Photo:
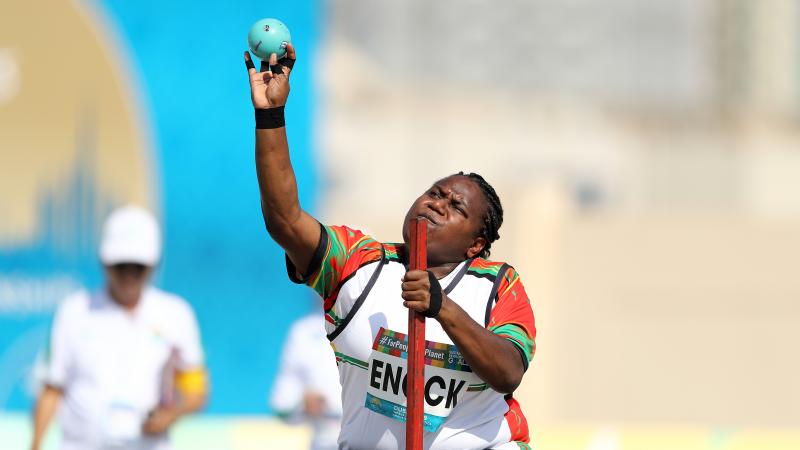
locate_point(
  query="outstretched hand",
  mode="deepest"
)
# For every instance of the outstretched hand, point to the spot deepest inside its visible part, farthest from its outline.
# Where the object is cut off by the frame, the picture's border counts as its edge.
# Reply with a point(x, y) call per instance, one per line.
point(269, 87)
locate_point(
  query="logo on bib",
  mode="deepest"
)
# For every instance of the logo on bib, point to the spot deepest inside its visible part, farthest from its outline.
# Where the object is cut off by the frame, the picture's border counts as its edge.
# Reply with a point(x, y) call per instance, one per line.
point(447, 376)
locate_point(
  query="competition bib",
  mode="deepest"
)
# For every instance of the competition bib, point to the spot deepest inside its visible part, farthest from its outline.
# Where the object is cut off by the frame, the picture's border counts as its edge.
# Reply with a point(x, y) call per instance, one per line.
point(447, 376)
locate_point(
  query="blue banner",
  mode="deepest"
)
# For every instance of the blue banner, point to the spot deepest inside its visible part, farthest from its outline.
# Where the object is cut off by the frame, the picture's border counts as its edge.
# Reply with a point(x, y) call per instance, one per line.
point(149, 103)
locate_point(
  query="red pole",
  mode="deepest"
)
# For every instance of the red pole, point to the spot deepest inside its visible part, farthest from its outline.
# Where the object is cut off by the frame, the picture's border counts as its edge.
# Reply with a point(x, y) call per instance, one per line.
point(418, 260)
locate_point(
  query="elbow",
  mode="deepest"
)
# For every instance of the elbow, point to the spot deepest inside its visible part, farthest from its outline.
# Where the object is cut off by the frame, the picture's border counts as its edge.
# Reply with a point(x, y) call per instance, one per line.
point(202, 402)
point(279, 231)
point(508, 383)
point(195, 402)
point(274, 229)
point(508, 380)
point(279, 226)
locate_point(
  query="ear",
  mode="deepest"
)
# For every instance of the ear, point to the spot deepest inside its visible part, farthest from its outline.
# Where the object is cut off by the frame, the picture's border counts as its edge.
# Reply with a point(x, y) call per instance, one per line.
point(477, 246)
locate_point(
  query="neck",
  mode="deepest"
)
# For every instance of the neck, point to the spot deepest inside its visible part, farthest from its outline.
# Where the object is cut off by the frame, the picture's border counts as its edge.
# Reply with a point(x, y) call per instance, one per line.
point(438, 268)
point(441, 270)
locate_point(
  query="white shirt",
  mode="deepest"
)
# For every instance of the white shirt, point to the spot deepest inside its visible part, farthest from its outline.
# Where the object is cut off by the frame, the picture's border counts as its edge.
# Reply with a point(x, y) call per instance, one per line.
point(115, 365)
point(358, 278)
point(308, 364)
point(373, 354)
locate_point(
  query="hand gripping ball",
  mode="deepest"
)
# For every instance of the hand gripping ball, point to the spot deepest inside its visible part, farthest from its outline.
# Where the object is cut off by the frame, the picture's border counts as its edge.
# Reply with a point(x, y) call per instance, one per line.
point(268, 36)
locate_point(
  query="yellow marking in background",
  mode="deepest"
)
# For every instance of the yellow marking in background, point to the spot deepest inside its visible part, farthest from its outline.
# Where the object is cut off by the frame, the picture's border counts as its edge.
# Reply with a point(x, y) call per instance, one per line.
point(192, 382)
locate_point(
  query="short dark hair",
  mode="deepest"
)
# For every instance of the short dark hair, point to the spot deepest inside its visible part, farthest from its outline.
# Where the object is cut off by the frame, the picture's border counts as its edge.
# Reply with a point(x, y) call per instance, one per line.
point(493, 218)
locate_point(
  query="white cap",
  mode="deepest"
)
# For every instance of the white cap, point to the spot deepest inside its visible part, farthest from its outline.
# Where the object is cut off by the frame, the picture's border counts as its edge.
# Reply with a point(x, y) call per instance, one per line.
point(130, 235)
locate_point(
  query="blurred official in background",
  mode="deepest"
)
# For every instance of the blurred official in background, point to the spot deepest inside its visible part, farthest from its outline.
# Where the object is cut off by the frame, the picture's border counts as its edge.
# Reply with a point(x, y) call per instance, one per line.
point(307, 388)
point(124, 363)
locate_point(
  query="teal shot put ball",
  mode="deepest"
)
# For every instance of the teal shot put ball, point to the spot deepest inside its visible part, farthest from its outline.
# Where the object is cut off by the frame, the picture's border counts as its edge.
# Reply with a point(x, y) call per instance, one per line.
point(268, 36)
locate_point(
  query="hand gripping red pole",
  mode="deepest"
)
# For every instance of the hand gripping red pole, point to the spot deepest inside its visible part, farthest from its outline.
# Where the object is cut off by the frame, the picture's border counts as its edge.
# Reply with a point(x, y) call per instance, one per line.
point(418, 260)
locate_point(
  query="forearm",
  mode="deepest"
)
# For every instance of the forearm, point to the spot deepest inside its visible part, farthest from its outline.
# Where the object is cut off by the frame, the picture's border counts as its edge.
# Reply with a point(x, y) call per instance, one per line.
point(276, 180)
point(161, 419)
point(291, 228)
point(294, 230)
point(45, 409)
point(493, 358)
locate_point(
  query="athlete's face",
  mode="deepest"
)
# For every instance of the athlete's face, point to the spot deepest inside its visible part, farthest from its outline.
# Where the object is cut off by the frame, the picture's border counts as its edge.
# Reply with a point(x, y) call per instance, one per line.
point(454, 208)
point(126, 282)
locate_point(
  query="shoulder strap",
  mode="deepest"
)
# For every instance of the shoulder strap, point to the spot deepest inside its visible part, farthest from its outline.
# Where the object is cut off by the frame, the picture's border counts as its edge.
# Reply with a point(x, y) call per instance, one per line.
point(458, 276)
point(493, 295)
point(361, 298)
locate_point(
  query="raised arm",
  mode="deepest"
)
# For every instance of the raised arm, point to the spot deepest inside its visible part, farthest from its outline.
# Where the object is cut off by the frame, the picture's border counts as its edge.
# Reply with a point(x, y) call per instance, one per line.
point(293, 229)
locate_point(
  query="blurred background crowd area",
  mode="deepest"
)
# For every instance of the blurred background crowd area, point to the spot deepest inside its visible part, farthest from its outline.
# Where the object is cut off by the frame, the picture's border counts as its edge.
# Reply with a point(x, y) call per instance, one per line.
point(647, 154)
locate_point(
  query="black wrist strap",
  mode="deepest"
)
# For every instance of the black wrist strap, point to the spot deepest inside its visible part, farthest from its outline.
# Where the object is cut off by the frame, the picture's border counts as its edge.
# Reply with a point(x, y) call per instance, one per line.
point(269, 118)
point(436, 296)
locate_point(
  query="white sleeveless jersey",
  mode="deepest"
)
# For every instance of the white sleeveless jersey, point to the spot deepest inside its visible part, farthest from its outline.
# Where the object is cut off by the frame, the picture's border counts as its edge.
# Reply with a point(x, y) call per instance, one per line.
point(367, 324)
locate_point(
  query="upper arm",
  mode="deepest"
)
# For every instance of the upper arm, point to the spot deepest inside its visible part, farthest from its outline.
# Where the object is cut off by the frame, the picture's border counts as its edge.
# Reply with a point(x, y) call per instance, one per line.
point(298, 239)
point(187, 339)
point(190, 374)
point(512, 316)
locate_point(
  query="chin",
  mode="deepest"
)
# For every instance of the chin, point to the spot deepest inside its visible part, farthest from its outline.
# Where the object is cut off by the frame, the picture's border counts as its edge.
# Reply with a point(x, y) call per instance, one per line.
point(131, 298)
point(129, 301)
point(405, 232)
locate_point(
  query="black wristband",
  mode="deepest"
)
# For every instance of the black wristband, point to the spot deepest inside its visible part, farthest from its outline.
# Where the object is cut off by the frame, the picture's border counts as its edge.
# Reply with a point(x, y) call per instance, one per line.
point(268, 118)
point(436, 296)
